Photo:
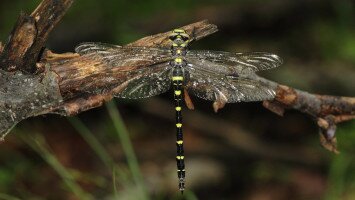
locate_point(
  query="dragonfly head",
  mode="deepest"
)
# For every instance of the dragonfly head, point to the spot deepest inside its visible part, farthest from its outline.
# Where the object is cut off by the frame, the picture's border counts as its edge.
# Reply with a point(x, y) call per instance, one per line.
point(179, 38)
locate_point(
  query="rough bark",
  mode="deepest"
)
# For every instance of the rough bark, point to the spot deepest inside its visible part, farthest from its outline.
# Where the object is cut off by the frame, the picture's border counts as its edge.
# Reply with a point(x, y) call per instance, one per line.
point(34, 83)
point(30, 35)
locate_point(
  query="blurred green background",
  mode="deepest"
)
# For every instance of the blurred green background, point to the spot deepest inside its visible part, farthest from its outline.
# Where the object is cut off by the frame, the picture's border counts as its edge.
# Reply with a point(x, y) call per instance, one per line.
point(242, 152)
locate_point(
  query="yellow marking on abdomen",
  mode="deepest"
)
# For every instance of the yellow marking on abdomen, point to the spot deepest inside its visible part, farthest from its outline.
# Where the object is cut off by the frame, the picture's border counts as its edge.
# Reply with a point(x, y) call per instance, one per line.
point(179, 142)
point(179, 125)
point(178, 60)
point(180, 157)
point(178, 78)
point(178, 108)
point(177, 92)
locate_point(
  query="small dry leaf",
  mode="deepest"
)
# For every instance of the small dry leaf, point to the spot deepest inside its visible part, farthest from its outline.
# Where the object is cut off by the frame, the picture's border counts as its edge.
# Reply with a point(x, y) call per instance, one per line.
point(327, 129)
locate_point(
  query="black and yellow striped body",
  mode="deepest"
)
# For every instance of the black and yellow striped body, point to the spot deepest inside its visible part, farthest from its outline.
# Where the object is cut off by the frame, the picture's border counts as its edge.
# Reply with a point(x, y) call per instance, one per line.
point(180, 40)
point(178, 92)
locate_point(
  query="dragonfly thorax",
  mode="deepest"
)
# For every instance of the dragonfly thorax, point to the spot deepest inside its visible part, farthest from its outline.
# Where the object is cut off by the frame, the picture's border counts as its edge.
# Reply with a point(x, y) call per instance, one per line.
point(180, 39)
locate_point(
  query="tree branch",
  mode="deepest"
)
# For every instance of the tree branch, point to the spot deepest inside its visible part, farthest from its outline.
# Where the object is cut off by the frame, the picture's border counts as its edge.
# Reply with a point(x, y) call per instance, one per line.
point(68, 84)
point(326, 110)
point(30, 35)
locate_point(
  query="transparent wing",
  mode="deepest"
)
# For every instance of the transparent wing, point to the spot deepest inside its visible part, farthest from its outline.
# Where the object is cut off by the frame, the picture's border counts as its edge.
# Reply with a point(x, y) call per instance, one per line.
point(207, 84)
point(89, 47)
point(254, 61)
point(147, 83)
point(116, 56)
point(141, 72)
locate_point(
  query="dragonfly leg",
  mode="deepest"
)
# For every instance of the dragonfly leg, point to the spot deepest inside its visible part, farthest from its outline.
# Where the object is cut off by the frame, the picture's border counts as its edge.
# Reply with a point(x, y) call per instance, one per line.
point(188, 100)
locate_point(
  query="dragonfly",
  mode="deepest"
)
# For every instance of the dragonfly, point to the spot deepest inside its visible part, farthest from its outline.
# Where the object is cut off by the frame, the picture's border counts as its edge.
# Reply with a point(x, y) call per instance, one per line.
point(221, 77)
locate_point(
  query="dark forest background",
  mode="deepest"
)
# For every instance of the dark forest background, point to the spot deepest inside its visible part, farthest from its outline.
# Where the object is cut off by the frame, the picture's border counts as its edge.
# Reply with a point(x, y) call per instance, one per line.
point(243, 152)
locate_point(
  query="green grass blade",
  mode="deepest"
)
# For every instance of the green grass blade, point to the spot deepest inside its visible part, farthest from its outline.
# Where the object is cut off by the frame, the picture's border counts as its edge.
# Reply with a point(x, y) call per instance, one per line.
point(99, 149)
point(190, 195)
point(7, 197)
point(337, 175)
point(92, 141)
point(37, 143)
point(115, 193)
point(122, 133)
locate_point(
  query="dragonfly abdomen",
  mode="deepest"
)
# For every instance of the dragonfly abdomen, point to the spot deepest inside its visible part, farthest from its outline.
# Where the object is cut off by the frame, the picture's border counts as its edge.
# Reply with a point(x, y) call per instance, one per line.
point(177, 80)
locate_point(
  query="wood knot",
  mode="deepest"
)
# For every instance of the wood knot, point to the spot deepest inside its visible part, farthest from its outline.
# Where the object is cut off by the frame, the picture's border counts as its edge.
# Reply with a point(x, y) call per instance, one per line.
point(285, 95)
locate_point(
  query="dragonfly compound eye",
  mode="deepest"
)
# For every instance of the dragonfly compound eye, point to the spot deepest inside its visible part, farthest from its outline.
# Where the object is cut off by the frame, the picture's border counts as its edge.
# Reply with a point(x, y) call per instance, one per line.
point(185, 36)
point(173, 36)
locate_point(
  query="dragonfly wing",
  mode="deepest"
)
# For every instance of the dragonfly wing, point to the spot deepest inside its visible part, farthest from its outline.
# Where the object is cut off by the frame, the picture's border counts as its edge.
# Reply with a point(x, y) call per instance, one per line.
point(147, 83)
point(229, 88)
point(118, 56)
point(138, 72)
point(254, 61)
point(97, 47)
